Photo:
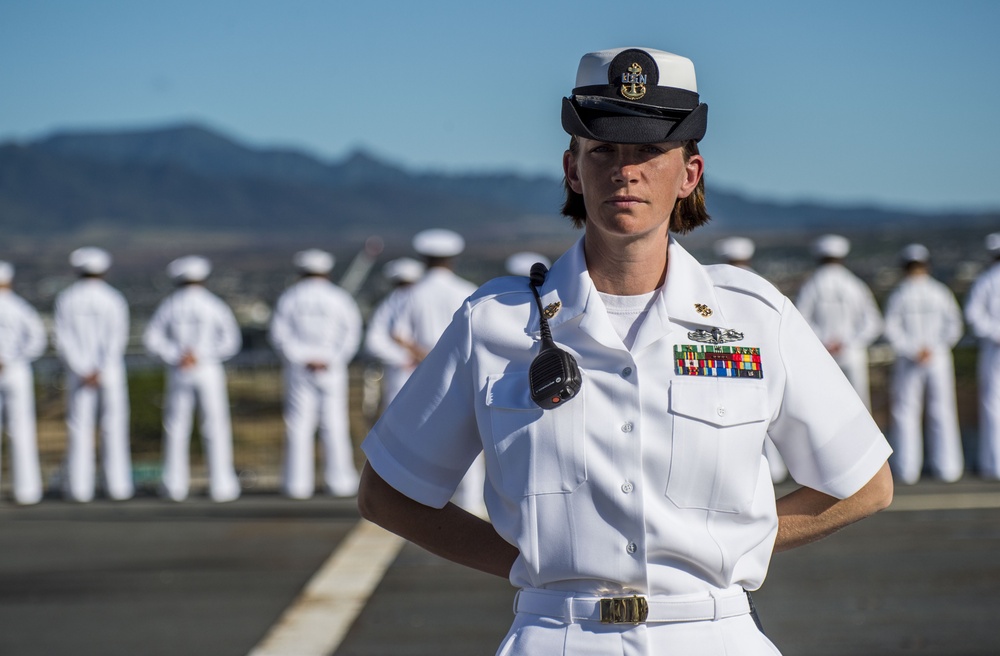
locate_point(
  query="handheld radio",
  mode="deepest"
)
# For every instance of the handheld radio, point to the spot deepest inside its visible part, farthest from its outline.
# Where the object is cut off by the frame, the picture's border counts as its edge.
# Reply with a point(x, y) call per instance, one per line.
point(553, 376)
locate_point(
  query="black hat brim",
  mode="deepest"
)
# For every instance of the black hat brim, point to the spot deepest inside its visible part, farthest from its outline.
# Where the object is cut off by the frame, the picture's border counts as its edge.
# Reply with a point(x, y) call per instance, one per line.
point(614, 127)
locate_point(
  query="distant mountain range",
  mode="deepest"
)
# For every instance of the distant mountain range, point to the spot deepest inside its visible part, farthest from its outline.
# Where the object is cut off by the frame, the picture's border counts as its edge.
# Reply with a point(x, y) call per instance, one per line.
point(190, 178)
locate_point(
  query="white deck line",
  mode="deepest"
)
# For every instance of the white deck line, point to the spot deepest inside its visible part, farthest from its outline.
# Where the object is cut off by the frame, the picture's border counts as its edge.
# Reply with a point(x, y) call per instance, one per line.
point(317, 621)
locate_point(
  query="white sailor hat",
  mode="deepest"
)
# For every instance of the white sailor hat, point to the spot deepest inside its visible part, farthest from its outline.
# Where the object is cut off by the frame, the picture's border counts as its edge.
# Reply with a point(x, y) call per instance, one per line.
point(519, 264)
point(915, 253)
point(6, 272)
point(833, 246)
point(90, 260)
point(438, 242)
point(993, 243)
point(635, 95)
point(313, 261)
point(190, 268)
point(403, 269)
point(735, 249)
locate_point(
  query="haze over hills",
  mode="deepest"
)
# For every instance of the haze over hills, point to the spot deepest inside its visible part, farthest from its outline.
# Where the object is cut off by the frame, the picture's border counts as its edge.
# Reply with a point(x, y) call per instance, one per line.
point(190, 178)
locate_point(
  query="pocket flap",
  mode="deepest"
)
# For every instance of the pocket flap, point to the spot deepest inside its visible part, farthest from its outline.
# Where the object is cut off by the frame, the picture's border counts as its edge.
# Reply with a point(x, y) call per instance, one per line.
point(720, 402)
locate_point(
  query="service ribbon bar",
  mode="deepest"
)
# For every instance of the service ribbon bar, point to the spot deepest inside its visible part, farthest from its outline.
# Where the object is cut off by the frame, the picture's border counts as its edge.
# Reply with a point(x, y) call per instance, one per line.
point(719, 361)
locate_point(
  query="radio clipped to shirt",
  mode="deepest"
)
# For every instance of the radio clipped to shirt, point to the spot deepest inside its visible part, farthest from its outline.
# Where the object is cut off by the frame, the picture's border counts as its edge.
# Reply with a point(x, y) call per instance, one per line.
point(553, 376)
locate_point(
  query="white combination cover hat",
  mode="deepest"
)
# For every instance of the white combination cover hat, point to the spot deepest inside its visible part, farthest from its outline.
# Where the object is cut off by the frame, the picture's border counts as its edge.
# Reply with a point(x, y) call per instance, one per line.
point(403, 269)
point(90, 259)
point(6, 272)
point(313, 261)
point(438, 242)
point(735, 249)
point(993, 243)
point(832, 246)
point(915, 253)
point(190, 268)
point(519, 264)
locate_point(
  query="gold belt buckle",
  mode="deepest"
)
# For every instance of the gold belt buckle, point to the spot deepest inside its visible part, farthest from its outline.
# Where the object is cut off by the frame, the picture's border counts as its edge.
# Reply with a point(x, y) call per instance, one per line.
point(624, 610)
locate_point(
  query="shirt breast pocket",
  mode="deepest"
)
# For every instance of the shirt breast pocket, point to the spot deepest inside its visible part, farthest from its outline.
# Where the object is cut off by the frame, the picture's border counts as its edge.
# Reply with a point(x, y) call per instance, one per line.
point(539, 451)
point(716, 443)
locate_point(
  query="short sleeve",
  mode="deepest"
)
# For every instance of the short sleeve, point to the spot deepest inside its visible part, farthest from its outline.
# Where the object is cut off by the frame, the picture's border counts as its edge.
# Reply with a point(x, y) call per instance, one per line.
point(428, 437)
point(822, 428)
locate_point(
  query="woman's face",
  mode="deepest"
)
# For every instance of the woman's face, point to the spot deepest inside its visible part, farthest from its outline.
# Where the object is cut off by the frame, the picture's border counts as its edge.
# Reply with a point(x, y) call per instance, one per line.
point(630, 189)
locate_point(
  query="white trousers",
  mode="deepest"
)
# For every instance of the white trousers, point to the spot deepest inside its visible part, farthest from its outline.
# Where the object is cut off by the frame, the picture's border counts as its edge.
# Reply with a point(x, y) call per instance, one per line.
point(317, 401)
point(204, 384)
point(989, 410)
point(910, 383)
point(83, 403)
point(17, 408)
point(534, 635)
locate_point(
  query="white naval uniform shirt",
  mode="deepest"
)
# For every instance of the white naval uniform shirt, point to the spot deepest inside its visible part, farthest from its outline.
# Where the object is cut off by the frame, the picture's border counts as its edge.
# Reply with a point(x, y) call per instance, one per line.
point(647, 481)
point(22, 334)
point(196, 320)
point(316, 321)
point(840, 307)
point(982, 310)
point(429, 306)
point(922, 313)
point(91, 319)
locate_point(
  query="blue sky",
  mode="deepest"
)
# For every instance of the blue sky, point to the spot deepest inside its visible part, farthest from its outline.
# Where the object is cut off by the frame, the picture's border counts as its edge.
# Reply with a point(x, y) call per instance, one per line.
point(891, 102)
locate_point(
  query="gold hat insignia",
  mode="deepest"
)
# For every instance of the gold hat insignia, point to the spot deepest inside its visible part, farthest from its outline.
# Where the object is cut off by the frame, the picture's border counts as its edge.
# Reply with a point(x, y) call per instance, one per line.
point(552, 309)
point(633, 82)
point(703, 309)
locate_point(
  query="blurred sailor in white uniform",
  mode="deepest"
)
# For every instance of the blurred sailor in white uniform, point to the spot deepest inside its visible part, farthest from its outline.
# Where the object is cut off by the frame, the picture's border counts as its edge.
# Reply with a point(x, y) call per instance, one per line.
point(982, 311)
point(842, 311)
point(397, 361)
point(22, 340)
point(519, 264)
point(738, 252)
point(923, 323)
point(91, 328)
point(428, 310)
point(316, 329)
point(193, 332)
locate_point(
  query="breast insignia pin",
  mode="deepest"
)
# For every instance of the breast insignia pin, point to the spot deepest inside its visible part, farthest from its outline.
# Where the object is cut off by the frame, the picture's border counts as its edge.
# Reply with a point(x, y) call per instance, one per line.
point(703, 309)
point(715, 336)
point(552, 309)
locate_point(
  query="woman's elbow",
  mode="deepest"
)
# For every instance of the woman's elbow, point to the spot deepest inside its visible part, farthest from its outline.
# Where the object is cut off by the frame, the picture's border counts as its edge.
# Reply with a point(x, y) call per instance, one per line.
point(881, 489)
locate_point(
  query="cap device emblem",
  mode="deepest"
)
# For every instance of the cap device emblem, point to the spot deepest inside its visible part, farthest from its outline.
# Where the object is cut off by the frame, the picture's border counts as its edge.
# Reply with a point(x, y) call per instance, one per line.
point(633, 82)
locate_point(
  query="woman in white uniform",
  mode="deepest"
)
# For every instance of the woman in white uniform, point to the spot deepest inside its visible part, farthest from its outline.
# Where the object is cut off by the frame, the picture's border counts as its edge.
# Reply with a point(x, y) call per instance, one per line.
point(633, 510)
point(317, 330)
point(193, 332)
point(22, 340)
point(91, 325)
point(982, 311)
point(923, 323)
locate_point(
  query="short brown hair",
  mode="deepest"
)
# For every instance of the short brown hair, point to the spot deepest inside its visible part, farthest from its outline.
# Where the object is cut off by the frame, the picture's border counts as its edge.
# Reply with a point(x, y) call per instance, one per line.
point(688, 214)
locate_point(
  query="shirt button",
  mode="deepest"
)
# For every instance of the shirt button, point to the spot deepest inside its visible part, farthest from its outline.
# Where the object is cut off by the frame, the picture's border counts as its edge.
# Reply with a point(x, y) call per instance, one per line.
point(626, 372)
point(627, 427)
point(631, 548)
point(721, 410)
point(627, 488)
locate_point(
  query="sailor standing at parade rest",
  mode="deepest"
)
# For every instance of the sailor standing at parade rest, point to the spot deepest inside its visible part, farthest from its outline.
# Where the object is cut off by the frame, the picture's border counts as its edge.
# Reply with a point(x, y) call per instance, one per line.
point(842, 310)
point(316, 329)
point(923, 323)
point(982, 311)
point(397, 361)
point(22, 340)
point(92, 328)
point(193, 332)
point(633, 507)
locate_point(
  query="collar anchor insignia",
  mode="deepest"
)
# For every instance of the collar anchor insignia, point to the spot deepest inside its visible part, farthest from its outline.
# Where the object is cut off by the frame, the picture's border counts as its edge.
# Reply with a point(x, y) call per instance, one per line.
point(715, 336)
point(703, 309)
point(552, 309)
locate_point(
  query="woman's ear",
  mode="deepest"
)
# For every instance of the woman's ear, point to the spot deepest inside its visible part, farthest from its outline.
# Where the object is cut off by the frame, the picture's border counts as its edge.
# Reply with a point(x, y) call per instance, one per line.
point(693, 170)
point(569, 170)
